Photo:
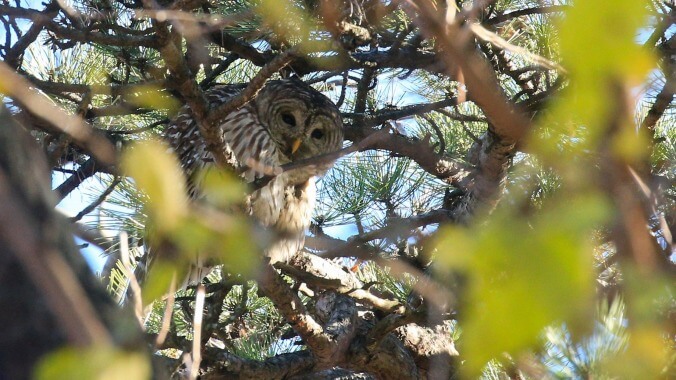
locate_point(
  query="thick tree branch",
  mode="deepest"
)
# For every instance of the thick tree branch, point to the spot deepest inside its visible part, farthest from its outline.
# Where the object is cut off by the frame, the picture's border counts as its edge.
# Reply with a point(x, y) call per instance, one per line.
point(292, 308)
point(430, 346)
point(319, 273)
point(662, 102)
point(86, 170)
point(50, 295)
point(282, 366)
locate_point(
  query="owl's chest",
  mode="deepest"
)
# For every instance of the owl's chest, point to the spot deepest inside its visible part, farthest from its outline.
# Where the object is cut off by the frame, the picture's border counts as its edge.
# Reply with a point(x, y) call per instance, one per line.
point(286, 206)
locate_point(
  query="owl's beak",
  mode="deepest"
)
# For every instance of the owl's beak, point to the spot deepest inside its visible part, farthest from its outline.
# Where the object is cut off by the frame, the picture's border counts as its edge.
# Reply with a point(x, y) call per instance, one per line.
point(295, 145)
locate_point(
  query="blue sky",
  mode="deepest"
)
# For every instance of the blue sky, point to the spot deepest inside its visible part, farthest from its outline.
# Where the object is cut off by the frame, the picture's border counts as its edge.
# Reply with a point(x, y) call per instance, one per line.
point(70, 206)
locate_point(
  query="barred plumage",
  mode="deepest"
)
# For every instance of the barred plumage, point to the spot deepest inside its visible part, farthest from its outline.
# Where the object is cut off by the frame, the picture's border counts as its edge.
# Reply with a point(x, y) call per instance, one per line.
point(287, 121)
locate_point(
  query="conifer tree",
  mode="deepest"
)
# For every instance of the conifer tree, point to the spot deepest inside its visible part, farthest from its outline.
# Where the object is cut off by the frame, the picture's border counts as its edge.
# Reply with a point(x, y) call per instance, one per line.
point(503, 206)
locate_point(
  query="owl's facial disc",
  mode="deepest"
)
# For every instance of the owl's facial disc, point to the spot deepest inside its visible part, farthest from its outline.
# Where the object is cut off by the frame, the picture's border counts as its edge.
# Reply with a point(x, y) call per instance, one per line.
point(317, 138)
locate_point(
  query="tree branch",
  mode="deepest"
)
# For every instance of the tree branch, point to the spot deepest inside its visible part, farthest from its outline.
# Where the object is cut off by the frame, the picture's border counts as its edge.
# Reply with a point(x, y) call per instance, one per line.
point(229, 366)
point(524, 12)
point(86, 170)
point(96, 144)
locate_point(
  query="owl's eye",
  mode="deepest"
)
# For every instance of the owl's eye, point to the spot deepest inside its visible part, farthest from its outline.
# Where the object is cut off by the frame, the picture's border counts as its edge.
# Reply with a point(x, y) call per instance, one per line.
point(317, 134)
point(289, 119)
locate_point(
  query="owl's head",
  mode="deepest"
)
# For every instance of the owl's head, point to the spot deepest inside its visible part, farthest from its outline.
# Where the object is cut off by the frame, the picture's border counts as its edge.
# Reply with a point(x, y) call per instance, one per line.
point(301, 121)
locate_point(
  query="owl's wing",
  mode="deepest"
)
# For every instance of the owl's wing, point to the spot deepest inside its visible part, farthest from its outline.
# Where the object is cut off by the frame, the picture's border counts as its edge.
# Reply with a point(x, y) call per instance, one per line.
point(249, 149)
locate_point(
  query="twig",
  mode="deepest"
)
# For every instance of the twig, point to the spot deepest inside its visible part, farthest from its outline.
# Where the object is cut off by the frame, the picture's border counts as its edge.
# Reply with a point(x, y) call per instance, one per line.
point(501, 43)
point(343, 90)
point(129, 273)
point(197, 333)
point(461, 117)
point(312, 162)
point(111, 89)
point(445, 168)
point(207, 23)
point(258, 81)
point(440, 135)
point(222, 66)
point(13, 54)
point(395, 228)
point(333, 156)
point(523, 12)
point(96, 202)
point(148, 127)
point(385, 115)
point(96, 144)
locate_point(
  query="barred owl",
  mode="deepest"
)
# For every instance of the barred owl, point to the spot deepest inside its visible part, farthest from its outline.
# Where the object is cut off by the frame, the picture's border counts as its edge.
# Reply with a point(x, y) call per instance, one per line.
point(287, 121)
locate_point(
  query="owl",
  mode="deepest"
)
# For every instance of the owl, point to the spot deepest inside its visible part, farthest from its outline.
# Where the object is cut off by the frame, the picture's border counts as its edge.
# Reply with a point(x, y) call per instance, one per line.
point(287, 121)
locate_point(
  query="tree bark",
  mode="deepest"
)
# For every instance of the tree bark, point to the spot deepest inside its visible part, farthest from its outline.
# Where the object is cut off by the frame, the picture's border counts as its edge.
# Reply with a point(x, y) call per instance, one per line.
point(48, 295)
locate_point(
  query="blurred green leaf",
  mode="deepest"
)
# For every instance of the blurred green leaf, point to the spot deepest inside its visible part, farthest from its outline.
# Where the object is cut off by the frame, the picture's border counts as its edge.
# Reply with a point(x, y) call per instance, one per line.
point(95, 363)
point(292, 23)
point(226, 238)
point(523, 274)
point(646, 357)
point(159, 279)
point(598, 40)
point(599, 50)
point(221, 188)
point(153, 96)
point(158, 174)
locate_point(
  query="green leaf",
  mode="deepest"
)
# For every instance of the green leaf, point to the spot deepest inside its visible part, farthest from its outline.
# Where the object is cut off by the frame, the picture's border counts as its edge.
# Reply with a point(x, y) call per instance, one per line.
point(603, 59)
point(153, 96)
point(159, 279)
point(221, 188)
point(158, 174)
point(523, 275)
point(227, 238)
point(95, 363)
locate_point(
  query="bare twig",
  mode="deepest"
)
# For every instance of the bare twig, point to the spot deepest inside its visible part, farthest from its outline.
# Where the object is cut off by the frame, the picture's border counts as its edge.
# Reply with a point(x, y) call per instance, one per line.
point(197, 333)
point(258, 81)
point(501, 43)
point(90, 207)
point(385, 115)
point(133, 281)
point(524, 12)
point(148, 127)
point(13, 54)
point(440, 135)
point(18, 88)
